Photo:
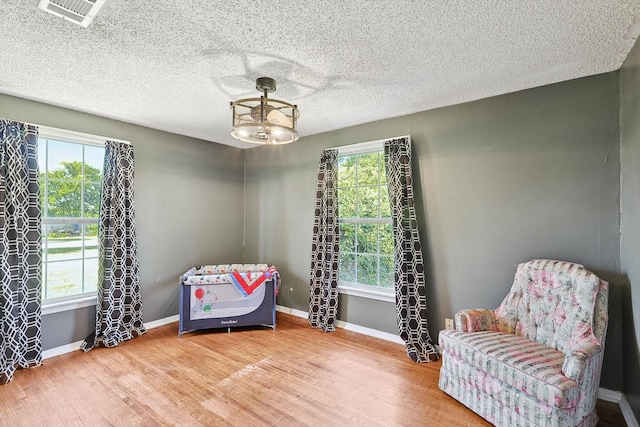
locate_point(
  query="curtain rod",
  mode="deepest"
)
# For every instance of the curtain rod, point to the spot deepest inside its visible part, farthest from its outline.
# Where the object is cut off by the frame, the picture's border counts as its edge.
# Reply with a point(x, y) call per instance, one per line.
point(356, 145)
point(62, 133)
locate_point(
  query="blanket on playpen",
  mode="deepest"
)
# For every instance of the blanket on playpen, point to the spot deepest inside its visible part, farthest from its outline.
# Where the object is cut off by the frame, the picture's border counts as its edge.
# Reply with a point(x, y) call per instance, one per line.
point(227, 290)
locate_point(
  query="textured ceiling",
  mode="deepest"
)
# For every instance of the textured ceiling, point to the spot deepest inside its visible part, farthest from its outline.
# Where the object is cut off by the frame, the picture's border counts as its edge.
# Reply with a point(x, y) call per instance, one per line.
point(176, 65)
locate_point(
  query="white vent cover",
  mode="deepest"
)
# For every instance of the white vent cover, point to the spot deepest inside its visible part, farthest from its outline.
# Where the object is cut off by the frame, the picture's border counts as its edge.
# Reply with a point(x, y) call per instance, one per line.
point(81, 12)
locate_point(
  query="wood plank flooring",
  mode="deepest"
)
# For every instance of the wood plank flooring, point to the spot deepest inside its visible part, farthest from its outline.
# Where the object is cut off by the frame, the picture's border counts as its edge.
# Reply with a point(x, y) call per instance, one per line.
point(293, 376)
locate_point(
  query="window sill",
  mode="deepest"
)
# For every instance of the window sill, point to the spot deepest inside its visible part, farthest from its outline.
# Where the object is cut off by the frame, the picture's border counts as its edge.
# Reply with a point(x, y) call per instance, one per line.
point(387, 295)
point(71, 303)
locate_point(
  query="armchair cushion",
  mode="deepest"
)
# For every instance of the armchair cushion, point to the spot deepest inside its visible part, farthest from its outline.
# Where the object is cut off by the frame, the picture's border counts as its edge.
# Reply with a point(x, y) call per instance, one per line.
point(525, 365)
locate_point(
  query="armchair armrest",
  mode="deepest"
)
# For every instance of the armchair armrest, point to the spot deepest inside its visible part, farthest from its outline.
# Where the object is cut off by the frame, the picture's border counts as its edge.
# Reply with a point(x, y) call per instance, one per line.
point(475, 320)
point(576, 360)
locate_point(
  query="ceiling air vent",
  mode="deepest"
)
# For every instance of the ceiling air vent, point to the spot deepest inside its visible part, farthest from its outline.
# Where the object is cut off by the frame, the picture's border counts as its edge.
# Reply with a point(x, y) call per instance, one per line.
point(79, 11)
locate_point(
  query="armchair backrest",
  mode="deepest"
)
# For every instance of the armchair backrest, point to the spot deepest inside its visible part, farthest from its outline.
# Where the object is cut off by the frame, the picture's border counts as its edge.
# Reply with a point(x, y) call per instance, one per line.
point(558, 304)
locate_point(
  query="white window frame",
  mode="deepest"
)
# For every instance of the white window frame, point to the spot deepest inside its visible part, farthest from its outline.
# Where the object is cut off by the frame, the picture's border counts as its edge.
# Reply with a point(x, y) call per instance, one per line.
point(72, 302)
point(357, 289)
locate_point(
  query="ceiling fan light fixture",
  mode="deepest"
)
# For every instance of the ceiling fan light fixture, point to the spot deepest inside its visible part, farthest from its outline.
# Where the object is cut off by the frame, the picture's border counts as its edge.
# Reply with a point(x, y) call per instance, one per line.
point(264, 120)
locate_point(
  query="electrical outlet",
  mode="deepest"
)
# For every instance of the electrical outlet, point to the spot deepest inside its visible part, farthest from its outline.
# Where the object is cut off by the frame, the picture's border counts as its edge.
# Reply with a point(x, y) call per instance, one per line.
point(448, 323)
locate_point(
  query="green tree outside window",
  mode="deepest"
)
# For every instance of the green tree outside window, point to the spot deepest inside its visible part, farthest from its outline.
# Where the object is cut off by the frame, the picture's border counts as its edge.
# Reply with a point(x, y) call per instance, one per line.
point(70, 185)
point(366, 235)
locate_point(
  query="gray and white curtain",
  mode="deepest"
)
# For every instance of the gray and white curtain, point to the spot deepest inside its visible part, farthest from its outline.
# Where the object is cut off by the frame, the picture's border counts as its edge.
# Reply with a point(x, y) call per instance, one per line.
point(20, 243)
point(411, 300)
point(119, 307)
point(323, 298)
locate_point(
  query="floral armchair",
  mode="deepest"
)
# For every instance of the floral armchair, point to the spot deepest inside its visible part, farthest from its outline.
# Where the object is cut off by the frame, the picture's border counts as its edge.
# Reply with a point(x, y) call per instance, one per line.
point(536, 359)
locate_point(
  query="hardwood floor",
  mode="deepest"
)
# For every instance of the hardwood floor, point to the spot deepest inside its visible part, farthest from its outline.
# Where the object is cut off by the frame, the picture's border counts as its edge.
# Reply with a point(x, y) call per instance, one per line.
point(292, 376)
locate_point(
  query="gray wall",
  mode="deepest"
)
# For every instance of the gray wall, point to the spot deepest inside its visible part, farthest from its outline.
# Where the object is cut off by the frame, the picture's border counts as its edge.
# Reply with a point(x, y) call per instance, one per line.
point(189, 208)
point(630, 224)
point(498, 181)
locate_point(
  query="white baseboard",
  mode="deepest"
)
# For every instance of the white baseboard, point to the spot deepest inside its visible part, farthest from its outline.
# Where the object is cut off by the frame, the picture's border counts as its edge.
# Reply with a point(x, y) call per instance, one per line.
point(346, 325)
point(63, 349)
point(74, 346)
point(292, 311)
point(623, 403)
point(627, 413)
point(370, 332)
point(609, 395)
point(161, 322)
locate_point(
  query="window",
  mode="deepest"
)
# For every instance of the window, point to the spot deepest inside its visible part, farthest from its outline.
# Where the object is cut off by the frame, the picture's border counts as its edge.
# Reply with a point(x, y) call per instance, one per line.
point(70, 181)
point(366, 231)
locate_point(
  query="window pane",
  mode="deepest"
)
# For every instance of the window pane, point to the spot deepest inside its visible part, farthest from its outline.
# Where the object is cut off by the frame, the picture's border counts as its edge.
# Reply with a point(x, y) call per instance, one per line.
point(368, 169)
point(42, 155)
point(44, 280)
point(45, 252)
point(385, 207)
point(71, 180)
point(90, 240)
point(383, 170)
point(348, 237)
point(64, 198)
point(347, 171)
point(60, 152)
point(386, 272)
point(90, 274)
point(363, 194)
point(63, 246)
point(91, 230)
point(92, 174)
point(368, 202)
point(367, 238)
point(347, 267)
point(42, 184)
point(385, 239)
point(64, 278)
point(92, 199)
point(368, 270)
point(347, 202)
point(64, 238)
point(93, 159)
point(43, 230)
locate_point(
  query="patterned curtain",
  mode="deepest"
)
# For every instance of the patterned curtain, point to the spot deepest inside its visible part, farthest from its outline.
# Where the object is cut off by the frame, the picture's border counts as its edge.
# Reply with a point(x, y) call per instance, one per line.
point(411, 300)
point(323, 298)
point(119, 307)
point(20, 246)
